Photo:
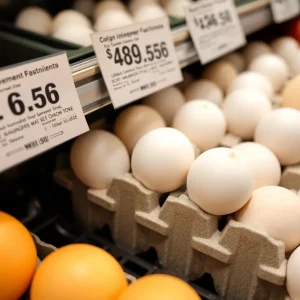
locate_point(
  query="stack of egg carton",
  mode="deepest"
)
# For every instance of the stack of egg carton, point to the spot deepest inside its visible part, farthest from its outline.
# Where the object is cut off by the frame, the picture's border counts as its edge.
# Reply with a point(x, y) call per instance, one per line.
point(245, 263)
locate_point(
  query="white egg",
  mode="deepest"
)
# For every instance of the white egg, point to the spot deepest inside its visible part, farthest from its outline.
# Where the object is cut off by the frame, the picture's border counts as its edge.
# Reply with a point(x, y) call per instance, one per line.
point(279, 131)
point(74, 33)
point(204, 89)
point(243, 109)
point(97, 157)
point(175, 8)
point(167, 102)
point(294, 63)
point(293, 275)
point(221, 73)
point(86, 7)
point(275, 210)
point(285, 47)
point(187, 80)
point(148, 12)
point(34, 19)
point(134, 122)
point(69, 16)
point(113, 19)
point(202, 122)
point(161, 159)
point(254, 50)
point(135, 5)
point(219, 181)
point(252, 80)
point(273, 67)
point(108, 5)
point(237, 60)
point(263, 162)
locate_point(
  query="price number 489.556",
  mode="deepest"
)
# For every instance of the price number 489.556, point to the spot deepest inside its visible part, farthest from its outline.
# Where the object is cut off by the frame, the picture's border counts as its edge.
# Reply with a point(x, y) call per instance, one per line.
point(130, 55)
point(40, 96)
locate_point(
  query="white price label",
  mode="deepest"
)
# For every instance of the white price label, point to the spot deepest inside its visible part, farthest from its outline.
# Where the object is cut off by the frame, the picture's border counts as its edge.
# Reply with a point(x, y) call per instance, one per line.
point(137, 60)
point(284, 10)
point(215, 28)
point(39, 109)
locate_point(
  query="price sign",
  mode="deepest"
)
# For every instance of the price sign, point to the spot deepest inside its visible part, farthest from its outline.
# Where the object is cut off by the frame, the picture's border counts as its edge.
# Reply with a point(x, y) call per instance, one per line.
point(215, 28)
point(39, 109)
point(284, 10)
point(137, 60)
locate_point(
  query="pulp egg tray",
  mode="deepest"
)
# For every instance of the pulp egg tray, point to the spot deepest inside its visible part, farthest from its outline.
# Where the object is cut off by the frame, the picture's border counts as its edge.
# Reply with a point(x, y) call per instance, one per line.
point(245, 263)
point(60, 230)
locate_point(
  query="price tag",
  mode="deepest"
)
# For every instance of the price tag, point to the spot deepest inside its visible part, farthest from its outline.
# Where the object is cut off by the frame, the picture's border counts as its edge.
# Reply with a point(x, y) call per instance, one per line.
point(284, 10)
point(215, 28)
point(39, 109)
point(137, 60)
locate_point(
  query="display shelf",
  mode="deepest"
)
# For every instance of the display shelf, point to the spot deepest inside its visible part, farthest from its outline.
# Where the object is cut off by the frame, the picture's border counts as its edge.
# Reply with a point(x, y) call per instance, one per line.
point(90, 85)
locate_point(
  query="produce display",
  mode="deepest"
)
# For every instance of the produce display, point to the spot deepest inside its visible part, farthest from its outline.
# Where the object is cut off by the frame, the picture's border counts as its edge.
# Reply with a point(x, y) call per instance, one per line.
point(239, 95)
point(205, 173)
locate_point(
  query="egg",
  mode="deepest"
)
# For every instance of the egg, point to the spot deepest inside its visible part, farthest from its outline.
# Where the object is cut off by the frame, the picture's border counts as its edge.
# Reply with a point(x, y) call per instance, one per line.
point(273, 67)
point(204, 89)
point(113, 19)
point(279, 131)
point(134, 122)
point(34, 19)
point(243, 109)
point(17, 258)
point(86, 7)
point(219, 181)
point(285, 47)
point(75, 33)
point(161, 159)
point(187, 80)
point(159, 287)
point(294, 63)
point(237, 60)
point(135, 5)
point(103, 7)
point(78, 272)
point(148, 12)
point(70, 16)
point(293, 275)
point(221, 73)
point(255, 49)
point(175, 8)
point(202, 122)
point(291, 94)
point(275, 210)
point(263, 162)
point(167, 102)
point(252, 80)
point(97, 157)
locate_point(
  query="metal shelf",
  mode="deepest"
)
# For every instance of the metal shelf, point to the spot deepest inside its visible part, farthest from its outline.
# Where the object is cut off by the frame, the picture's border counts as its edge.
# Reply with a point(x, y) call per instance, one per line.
point(90, 84)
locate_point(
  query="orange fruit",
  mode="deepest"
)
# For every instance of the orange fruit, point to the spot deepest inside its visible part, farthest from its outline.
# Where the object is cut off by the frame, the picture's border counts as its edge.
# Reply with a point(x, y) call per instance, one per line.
point(159, 287)
point(17, 258)
point(78, 272)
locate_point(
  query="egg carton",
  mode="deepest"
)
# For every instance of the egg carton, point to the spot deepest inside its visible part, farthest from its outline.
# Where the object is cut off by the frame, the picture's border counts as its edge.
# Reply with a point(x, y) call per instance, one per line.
point(244, 263)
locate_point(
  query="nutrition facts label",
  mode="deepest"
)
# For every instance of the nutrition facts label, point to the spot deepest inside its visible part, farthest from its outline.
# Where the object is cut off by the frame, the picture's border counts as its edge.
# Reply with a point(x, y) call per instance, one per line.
point(39, 109)
point(137, 60)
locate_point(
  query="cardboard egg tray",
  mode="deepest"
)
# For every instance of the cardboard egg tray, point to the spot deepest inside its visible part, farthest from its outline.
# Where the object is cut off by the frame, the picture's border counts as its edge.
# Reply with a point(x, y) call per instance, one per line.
point(244, 263)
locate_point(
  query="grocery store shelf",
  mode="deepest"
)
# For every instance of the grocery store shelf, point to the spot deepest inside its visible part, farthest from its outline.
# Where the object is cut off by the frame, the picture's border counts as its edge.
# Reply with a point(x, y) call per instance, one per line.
point(90, 84)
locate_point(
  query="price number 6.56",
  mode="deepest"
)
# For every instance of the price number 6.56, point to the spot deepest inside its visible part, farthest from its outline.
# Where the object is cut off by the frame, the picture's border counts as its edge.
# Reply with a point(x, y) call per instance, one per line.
point(40, 96)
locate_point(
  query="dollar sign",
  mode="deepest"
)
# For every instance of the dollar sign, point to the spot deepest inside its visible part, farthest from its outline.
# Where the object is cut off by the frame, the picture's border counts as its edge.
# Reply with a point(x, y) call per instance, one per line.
point(108, 52)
